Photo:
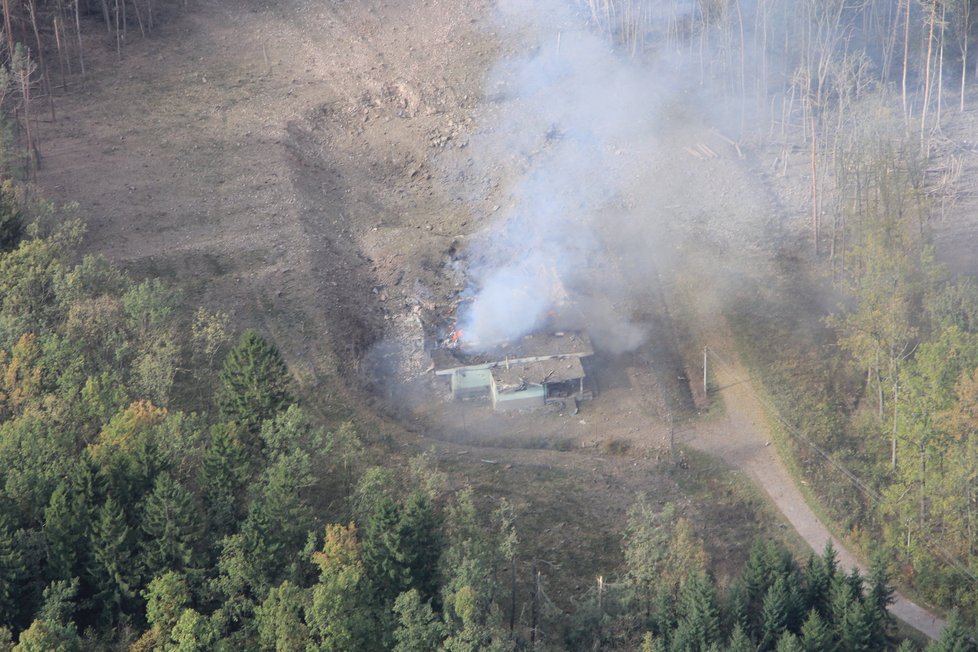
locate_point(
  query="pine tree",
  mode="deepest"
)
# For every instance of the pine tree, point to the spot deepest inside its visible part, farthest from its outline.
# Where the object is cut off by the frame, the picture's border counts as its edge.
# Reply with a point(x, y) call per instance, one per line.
point(842, 600)
point(775, 613)
point(756, 585)
point(857, 629)
point(645, 544)
point(83, 492)
point(955, 637)
point(382, 559)
point(279, 517)
point(12, 573)
point(700, 614)
point(682, 639)
point(739, 641)
point(817, 585)
point(879, 598)
point(830, 560)
point(855, 581)
point(11, 218)
point(223, 474)
point(789, 642)
point(421, 545)
point(113, 568)
point(815, 634)
point(127, 453)
point(171, 526)
point(64, 533)
point(254, 383)
point(737, 606)
point(665, 611)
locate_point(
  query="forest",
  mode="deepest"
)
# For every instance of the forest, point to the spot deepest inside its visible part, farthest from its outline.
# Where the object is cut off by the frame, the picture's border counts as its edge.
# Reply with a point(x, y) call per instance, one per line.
point(166, 482)
point(164, 489)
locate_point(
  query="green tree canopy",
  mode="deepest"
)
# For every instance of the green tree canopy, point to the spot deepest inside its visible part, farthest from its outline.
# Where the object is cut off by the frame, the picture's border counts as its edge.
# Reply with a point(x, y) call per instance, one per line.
point(254, 382)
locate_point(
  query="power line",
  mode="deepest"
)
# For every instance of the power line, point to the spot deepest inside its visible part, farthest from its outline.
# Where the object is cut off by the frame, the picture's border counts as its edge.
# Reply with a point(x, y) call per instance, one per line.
point(938, 550)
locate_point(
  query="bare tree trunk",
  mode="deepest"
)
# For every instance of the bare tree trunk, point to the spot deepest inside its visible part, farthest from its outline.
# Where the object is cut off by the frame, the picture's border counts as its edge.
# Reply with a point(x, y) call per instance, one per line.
point(105, 15)
point(534, 607)
point(24, 74)
point(931, 23)
point(966, 28)
point(743, 73)
point(512, 595)
point(32, 10)
point(890, 43)
point(118, 33)
point(139, 18)
point(814, 182)
point(81, 56)
point(923, 484)
point(61, 54)
point(906, 54)
point(893, 439)
point(8, 28)
point(879, 383)
point(940, 67)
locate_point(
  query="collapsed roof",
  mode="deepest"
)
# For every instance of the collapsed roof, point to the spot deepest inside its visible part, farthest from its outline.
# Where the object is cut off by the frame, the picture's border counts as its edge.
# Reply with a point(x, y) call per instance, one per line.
point(537, 347)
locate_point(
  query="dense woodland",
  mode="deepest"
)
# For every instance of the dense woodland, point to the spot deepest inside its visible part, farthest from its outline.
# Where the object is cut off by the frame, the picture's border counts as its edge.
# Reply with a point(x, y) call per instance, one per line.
point(162, 488)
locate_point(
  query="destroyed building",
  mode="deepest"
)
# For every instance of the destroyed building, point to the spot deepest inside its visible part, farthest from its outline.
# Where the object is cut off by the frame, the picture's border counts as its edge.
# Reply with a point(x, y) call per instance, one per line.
point(523, 374)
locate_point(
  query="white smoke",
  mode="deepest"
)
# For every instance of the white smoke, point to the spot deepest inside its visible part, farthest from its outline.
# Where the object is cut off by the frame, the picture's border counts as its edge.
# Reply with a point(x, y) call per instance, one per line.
point(572, 120)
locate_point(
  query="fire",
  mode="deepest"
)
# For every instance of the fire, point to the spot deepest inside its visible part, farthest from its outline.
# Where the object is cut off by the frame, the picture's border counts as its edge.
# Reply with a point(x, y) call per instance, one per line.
point(455, 336)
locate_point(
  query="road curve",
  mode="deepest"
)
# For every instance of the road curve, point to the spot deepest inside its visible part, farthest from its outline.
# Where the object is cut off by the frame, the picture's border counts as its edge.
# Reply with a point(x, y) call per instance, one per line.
point(743, 438)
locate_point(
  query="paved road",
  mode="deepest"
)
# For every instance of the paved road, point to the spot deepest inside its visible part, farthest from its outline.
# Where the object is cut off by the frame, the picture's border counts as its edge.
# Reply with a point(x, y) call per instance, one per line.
point(743, 438)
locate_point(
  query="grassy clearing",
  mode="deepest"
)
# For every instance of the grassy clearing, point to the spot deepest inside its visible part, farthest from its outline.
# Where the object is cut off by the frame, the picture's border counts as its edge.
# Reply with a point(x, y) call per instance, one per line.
point(731, 513)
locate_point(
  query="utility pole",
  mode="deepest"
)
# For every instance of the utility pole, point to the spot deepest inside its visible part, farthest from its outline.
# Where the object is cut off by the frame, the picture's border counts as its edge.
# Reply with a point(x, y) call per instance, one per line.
point(705, 351)
point(672, 439)
point(534, 606)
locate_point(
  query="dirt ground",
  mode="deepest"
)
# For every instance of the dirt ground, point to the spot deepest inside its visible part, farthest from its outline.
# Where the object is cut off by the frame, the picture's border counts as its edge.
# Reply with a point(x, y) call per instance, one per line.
point(305, 166)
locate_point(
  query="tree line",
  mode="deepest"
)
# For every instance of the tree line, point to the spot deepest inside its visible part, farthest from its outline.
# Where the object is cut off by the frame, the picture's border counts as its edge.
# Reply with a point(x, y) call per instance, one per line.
point(813, 54)
point(886, 386)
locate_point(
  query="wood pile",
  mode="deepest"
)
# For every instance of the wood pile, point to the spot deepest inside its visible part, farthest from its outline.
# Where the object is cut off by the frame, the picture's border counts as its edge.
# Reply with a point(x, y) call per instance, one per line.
point(701, 152)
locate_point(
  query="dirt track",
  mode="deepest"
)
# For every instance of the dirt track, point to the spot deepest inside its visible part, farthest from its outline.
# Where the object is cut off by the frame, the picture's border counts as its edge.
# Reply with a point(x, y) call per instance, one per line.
point(730, 232)
point(743, 439)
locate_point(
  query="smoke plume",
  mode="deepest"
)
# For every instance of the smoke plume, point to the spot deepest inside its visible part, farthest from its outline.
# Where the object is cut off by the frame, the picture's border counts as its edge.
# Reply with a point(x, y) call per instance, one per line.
point(572, 119)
